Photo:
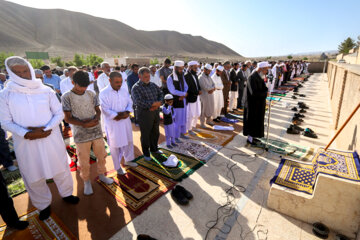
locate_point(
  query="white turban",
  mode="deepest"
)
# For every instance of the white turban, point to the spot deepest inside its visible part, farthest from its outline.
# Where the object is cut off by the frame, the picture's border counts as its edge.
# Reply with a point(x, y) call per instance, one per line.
point(262, 65)
point(220, 68)
point(168, 97)
point(179, 63)
point(192, 63)
point(208, 66)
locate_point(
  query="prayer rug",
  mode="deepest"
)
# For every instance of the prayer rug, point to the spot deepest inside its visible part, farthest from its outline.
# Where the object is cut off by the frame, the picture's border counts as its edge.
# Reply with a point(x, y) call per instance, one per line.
point(198, 150)
point(229, 120)
point(298, 79)
point(235, 115)
point(287, 149)
point(278, 91)
point(278, 94)
point(276, 99)
point(14, 182)
point(211, 137)
point(51, 228)
point(138, 188)
point(288, 88)
point(72, 153)
point(185, 167)
point(302, 176)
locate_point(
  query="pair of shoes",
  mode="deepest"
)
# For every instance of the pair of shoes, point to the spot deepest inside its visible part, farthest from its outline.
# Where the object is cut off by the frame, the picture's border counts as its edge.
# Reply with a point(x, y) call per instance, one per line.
point(45, 213)
point(310, 134)
point(19, 225)
point(303, 105)
point(302, 95)
point(12, 168)
point(302, 111)
point(298, 115)
point(292, 130)
point(297, 119)
point(145, 237)
point(294, 97)
point(71, 199)
point(297, 127)
point(181, 196)
point(131, 164)
point(294, 109)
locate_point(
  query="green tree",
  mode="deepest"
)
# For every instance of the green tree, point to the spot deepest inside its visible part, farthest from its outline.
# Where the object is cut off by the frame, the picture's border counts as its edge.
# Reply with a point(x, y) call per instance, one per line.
point(57, 61)
point(92, 59)
point(268, 57)
point(358, 41)
point(289, 57)
point(69, 63)
point(3, 56)
point(346, 45)
point(305, 58)
point(36, 63)
point(154, 61)
point(79, 60)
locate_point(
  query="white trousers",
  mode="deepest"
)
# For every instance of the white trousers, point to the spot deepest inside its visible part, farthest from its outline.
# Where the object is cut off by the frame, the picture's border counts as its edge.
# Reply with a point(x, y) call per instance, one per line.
point(193, 114)
point(39, 191)
point(117, 154)
point(233, 100)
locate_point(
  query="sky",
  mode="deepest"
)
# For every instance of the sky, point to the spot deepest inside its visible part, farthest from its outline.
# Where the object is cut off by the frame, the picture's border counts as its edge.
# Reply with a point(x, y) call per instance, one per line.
point(252, 28)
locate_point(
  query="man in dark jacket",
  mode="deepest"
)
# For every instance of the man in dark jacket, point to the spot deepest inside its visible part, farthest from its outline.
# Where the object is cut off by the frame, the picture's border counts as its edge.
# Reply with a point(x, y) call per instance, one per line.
point(193, 99)
point(242, 83)
point(234, 78)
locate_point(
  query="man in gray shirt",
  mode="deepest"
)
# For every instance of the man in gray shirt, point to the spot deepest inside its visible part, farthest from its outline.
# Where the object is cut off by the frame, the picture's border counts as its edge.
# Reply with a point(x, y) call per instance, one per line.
point(165, 71)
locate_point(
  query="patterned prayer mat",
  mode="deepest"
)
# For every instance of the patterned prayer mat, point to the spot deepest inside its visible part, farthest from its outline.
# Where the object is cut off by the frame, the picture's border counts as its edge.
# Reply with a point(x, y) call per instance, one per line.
point(198, 150)
point(298, 79)
point(287, 149)
point(138, 188)
point(74, 159)
point(302, 176)
point(14, 182)
point(288, 88)
point(276, 99)
point(185, 167)
point(212, 137)
point(51, 228)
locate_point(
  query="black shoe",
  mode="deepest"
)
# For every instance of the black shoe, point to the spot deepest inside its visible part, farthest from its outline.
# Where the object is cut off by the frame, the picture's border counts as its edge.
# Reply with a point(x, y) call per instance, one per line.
point(179, 197)
point(310, 134)
point(302, 95)
point(296, 122)
point(298, 115)
point(145, 237)
point(45, 214)
point(294, 109)
point(297, 127)
point(293, 97)
point(296, 94)
point(292, 130)
point(185, 192)
point(302, 111)
point(20, 225)
point(71, 199)
point(297, 119)
point(309, 130)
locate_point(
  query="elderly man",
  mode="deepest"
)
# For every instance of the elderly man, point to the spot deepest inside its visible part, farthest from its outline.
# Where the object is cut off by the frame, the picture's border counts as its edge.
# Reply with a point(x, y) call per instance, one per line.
point(193, 97)
point(207, 97)
point(31, 111)
point(103, 79)
point(255, 104)
point(116, 105)
point(148, 98)
point(218, 93)
point(65, 75)
point(50, 78)
point(154, 77)
point(66, 84)
point(225, 77)
point(165, 72)
point(178, 87)
point(242, 83)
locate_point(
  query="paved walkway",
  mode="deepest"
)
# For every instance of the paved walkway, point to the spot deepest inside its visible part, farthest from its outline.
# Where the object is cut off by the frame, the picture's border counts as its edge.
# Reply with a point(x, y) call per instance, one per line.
point(238, 178)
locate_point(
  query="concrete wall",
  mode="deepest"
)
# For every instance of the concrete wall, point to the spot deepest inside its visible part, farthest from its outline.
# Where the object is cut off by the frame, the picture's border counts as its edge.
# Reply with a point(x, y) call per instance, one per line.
point(344, 89)
point(316, 67)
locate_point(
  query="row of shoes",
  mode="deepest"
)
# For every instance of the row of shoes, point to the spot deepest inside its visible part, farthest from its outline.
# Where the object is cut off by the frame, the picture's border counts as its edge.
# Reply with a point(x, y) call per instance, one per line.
point(181, 196)
point(298, 120)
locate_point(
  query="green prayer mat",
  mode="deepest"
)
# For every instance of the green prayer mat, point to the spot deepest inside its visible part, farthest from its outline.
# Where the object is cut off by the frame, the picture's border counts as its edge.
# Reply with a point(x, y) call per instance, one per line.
point(14, 182)
point(186, 166)
point(287, 149)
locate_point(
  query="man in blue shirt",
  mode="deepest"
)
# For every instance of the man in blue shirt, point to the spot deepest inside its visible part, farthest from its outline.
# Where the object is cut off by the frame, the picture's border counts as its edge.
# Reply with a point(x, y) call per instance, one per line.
point(50, 78)
point(133, 77)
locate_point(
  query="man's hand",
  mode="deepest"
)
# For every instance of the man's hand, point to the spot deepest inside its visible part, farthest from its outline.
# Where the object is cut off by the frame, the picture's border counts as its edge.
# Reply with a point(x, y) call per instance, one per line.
point(181, 98)
point(37, 133)
point(200, 92)
point(122, 115)
point(90, 123)
point(211, 91)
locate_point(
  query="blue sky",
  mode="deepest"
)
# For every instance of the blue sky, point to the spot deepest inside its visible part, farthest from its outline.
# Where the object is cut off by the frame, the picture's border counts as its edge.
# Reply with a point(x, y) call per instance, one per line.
point(252, 28)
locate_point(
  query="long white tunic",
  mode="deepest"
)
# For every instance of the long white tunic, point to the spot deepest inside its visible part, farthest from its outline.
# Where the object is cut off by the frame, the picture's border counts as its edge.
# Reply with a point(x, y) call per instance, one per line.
point(41, 158)
point(102, 81)
point(119, 133)
point(218, 95)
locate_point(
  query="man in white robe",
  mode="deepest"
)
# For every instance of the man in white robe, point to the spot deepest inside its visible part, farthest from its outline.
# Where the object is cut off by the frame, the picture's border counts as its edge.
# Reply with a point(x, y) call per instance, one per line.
point(207, 97)
point(66, 84)
point(103, 79)
point(32, 112)
point(193, 97)
point(116, 105)
point(218, 93)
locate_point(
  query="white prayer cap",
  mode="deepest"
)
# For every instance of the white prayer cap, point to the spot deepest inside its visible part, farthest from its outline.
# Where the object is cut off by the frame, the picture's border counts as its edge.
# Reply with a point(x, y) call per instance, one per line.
point(208, 66)
point(263, 65)
point(179, 63)
point(247, 61)
point(192, 63)
point(220, 68)
point(172, 161)
point(168, 97)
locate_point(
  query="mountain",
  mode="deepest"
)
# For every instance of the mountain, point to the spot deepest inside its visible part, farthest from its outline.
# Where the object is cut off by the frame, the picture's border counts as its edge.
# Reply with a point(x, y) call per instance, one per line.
point(64, 32)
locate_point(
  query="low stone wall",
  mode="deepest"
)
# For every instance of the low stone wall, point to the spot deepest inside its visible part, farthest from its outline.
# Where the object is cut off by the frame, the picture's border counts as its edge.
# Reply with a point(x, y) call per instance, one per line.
point(344, 89)
point(316, 67)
